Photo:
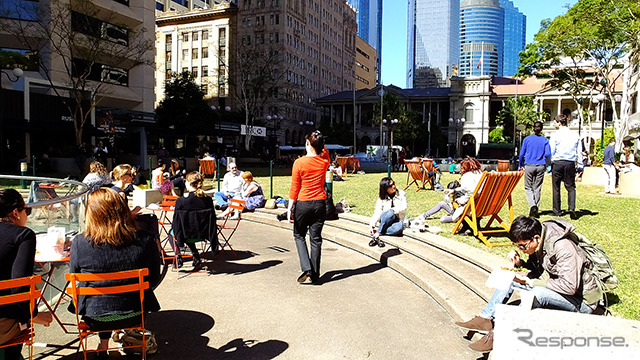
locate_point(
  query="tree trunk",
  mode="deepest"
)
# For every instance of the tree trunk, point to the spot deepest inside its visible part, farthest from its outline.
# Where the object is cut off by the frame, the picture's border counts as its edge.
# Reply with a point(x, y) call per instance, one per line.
point(247, 137)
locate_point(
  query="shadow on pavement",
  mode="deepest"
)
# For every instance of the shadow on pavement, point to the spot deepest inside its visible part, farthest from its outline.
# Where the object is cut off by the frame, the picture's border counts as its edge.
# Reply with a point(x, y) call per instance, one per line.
point(180, 335)
point(232, 268)
point(336, 275)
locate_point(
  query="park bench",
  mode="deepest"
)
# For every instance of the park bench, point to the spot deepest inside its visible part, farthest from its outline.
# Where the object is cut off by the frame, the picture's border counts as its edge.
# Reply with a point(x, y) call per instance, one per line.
point(492, 192)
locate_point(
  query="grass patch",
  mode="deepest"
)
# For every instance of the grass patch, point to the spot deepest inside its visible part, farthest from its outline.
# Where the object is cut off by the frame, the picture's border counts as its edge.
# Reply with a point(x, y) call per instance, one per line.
point(610, 221)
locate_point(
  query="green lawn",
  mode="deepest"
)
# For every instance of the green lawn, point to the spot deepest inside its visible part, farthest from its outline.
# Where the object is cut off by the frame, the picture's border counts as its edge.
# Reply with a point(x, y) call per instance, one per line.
point(610, 221)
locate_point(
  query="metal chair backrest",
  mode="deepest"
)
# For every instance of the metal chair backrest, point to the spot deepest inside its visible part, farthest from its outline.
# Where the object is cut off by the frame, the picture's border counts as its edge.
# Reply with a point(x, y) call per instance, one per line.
point(31, 295)
point(139, 286)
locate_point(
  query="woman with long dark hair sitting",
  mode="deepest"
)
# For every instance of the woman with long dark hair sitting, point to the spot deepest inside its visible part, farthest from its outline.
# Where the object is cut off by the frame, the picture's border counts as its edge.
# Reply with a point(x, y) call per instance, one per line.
point(388, 217)
point(112, 242)
point(17, 254)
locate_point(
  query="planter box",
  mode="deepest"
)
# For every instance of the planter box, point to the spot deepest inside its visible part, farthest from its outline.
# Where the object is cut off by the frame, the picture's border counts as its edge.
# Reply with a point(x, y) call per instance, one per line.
point(594, 176)
point(629, 184)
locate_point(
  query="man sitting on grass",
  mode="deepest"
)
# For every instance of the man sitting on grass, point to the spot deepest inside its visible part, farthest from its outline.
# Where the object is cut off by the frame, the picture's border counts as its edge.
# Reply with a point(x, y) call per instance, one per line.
point(557, 278)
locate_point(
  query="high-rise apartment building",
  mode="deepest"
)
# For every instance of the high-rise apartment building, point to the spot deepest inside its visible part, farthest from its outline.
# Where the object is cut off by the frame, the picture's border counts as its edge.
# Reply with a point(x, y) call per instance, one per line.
point(515, 37)
point(433, 43)
point(369, 19)
point(316, 42)
point(366, 76)
point(481, 37)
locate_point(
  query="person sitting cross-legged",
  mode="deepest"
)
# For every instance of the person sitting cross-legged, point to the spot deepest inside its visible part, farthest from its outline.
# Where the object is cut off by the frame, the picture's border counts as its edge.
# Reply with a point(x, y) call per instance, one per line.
point(388, 216)
point(564, 286)
point(231, 186)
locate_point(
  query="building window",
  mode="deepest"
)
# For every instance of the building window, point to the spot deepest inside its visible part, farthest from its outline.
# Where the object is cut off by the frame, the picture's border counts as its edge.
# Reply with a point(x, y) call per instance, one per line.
point(205, 71)
point(185, 54)
point(194, 71)
point(185, 36)
point(194, 53)
point(205, 35)
point(205, 52)
point(204, 88)
point(195, 36)
point(222, 36)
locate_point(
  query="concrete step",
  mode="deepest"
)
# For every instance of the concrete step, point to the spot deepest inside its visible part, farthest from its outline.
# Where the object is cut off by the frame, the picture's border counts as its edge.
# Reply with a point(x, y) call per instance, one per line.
point(451, 272)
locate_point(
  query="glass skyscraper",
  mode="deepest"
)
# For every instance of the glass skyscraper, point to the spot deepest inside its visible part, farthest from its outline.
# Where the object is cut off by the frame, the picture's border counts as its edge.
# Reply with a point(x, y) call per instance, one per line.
point(481, 37)
point(369, 20)
point(515, 37)
point(433, 43)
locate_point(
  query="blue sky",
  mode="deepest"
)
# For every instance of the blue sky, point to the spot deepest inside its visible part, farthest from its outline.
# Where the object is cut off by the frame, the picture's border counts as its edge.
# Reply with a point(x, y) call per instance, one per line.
point(394, 29)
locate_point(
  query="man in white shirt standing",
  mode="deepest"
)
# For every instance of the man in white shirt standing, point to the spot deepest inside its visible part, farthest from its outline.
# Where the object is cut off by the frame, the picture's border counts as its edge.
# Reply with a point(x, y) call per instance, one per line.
point(231, 185)
point(565, 152)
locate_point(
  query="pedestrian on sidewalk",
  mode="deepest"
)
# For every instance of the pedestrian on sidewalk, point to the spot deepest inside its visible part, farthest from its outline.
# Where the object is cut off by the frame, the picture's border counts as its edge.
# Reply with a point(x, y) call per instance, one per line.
point(307, 200)
point(535, 150)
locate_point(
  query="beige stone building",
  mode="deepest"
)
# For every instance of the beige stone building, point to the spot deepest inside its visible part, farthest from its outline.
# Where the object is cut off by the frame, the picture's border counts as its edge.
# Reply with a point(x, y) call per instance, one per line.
point(366, 71)
point(196, 41)
point(316, 41)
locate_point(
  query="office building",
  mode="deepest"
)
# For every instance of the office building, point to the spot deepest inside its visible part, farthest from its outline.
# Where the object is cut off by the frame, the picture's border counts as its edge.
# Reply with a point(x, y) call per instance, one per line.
point(35, 114)
point(195, 41)
point(515, 34)
point(187, 5)
point(481, 37)
point(366, 76)
point(433, 43)
point(316, 42)
point(369, 18)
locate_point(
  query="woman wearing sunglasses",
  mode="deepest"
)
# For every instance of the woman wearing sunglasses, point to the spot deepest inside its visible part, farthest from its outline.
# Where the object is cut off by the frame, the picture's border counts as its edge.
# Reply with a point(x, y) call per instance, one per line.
point(388, 217)
point(17, 253)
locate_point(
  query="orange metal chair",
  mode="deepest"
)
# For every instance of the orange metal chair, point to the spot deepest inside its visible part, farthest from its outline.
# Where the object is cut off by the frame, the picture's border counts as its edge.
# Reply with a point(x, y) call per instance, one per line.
point(492, 192)
point(416, 174)
point(208, 167)
point(228, 226)
point(31, 295)
point(139, 286)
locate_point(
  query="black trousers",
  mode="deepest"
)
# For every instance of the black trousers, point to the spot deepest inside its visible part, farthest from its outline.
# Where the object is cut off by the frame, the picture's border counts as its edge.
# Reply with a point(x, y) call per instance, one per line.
point(309, 215)
point(564, 171)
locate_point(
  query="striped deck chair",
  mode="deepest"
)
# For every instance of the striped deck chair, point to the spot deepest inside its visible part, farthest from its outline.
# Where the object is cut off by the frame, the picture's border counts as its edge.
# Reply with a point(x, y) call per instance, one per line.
point(207, 167)
point(416, 174)
point(430, 168)
point(492, 192)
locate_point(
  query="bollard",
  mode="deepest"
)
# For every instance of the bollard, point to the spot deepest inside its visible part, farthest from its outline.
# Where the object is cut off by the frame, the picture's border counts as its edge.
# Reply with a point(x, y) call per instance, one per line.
point(33, 166)
point(328, 179)
point(271, 177)
point(389, 171)
point(218, 173)
point(23, 172)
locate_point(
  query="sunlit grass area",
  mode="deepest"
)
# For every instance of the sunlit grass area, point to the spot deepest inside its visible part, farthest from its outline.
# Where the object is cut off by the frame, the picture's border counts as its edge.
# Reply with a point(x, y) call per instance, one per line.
point(612, 222)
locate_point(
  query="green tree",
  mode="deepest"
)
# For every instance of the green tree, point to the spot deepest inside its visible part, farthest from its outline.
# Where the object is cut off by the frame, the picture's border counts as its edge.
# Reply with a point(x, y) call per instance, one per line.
point(408, 126)
point(606, 33)
point(522, 111)
point(183, 107)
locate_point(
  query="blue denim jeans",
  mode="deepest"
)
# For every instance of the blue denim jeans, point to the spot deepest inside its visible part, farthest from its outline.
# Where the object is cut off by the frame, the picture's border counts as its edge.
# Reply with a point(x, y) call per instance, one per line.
point(543, 298)
point(390, 224)
point(222, 198)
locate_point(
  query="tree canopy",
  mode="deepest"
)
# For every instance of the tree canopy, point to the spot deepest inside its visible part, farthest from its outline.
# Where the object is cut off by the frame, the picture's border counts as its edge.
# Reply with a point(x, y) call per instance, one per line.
point(183, 107)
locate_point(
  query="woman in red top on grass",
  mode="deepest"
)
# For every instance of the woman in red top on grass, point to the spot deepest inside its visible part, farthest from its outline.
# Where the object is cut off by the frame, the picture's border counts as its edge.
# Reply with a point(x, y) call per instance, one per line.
point(307, 204)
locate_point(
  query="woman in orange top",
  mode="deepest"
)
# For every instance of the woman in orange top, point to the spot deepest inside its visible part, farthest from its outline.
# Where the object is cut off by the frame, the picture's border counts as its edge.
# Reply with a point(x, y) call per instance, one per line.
point(307, 204)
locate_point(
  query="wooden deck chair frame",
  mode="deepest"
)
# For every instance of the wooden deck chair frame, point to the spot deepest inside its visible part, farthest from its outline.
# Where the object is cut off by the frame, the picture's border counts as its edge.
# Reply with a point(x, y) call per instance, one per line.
point(43, 193)
point(227, 228)
point(208, 167)
point(428, 166)
point(416, 174)
point(74, 290)
point(32, 295)
point(492, 192)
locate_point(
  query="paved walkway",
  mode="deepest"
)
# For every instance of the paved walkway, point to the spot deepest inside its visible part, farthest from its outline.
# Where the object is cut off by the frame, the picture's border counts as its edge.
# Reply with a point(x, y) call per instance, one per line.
point(253, 308)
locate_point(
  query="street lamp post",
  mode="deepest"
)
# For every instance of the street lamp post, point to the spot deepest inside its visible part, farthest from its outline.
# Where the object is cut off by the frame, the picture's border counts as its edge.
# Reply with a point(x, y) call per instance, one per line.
point(599, 99)
point(17, 72)
point(390, 124)
point(458, 125)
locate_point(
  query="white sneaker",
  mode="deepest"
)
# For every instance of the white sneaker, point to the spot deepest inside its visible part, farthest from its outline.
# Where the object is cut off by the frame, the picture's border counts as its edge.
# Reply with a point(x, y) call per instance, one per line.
point(234, 217)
